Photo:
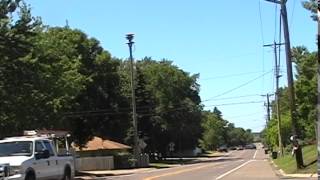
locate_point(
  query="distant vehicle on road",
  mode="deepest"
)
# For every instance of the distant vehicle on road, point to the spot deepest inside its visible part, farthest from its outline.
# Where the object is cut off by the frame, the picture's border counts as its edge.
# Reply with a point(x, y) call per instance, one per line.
point(233, 148)
point(250, 146)
point(223, 148)
point(240, 148)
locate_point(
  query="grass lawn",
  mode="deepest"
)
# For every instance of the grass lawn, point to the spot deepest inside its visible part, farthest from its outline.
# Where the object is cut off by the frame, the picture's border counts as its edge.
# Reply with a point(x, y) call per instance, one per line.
point(288, 163)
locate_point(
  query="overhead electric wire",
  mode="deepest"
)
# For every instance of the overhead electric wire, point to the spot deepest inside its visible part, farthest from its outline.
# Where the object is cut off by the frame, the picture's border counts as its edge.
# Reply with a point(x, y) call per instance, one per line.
point(238, 103)
point(230, 75)
point(261, 25)
point(262, 38)
point(280, 40)
point(238, 87)
point(145, 109)
point(234, 97)
point(292, 13)
point(275, 21)
point(243, 115)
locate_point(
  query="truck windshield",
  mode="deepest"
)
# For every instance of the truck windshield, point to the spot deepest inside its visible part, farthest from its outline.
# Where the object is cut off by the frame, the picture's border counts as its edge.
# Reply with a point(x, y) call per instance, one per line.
point(17, 148)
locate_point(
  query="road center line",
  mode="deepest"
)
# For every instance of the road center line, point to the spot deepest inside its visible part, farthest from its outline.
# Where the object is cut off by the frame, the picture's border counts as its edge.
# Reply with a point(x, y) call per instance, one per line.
point(232, 170)
point(255, 154)
point(180, 171)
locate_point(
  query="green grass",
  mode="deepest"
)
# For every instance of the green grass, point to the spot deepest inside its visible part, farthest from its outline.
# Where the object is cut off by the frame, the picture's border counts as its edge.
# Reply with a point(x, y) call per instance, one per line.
point(288, 162)
point(159, 165)
point(169, 163)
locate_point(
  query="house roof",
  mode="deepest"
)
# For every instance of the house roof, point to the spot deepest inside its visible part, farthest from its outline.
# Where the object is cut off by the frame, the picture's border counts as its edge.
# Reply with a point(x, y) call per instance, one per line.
point(98, 143)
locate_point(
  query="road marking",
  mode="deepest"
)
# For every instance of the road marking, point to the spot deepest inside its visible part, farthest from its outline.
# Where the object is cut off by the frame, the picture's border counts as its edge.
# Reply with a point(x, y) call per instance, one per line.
point(255, 154)
point(180, 171)
point(232, 170)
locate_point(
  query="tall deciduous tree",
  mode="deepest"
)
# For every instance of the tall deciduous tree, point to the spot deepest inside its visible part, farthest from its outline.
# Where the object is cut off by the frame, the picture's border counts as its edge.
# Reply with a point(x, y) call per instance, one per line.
point(306, 89)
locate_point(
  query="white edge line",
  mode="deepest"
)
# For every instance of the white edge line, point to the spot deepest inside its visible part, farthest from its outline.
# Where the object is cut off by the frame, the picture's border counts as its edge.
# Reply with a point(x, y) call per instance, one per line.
point(232, 170)
point(255, 154)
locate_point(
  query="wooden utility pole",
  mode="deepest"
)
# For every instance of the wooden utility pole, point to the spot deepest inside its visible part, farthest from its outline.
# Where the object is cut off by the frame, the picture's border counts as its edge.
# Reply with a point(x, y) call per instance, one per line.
point(318, 40)
point(268, 106)
point(277, 96)
point(295, 129)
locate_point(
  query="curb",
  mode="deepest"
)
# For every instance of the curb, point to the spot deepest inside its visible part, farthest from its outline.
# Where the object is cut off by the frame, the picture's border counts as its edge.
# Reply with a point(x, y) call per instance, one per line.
point(297, 175)
point(282, 173)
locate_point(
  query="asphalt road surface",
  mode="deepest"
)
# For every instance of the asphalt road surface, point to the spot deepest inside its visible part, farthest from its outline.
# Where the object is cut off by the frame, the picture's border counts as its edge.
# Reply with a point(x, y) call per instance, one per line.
point(243, 164)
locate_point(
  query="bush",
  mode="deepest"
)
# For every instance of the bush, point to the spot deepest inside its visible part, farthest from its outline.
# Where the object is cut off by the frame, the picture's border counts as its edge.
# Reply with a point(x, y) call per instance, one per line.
point(123, 160)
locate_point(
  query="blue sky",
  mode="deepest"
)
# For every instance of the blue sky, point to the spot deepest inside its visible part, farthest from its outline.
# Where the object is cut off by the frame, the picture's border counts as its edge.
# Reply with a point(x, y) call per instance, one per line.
point(221, 40)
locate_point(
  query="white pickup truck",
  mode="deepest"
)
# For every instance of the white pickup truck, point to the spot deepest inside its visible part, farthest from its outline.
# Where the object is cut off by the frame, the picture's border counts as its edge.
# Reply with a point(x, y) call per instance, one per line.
point(33, 158)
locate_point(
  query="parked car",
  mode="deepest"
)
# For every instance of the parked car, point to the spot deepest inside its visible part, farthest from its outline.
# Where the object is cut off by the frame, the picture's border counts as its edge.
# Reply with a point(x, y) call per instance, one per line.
point(240, 148)
point(33, 157)
point(250, 146)
point(233, 148)
point(223, 148)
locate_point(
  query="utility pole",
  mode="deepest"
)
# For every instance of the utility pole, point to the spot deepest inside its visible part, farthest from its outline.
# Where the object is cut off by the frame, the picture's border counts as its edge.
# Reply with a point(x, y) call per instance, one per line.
point(268, 105)
point(318, 123)
point(295, 130)
point(277, 96)
point(136, 150)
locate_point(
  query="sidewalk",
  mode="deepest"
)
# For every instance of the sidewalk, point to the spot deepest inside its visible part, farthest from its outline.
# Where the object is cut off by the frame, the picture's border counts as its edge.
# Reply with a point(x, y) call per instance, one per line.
point(117, 172)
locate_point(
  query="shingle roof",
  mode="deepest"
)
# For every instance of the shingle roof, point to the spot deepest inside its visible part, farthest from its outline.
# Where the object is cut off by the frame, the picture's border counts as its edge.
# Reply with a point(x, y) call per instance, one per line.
point(98, 143)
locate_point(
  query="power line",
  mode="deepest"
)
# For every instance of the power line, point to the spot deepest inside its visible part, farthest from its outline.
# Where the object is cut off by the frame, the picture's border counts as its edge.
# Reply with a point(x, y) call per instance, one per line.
point(262, 38)
point(280, 40)
point(275, 21)
point(238, 103)
point(230, 75)
point(292, 13)
point(106, 111)
point(240, 86)
point(243, 115)
point(261, 25)
point(234, 97)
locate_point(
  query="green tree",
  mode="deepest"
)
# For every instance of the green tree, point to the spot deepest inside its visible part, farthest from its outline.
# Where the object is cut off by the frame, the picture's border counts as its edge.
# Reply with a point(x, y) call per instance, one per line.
point(306, 90)
point(16, 72)
point(168, 105)
point(311, 5)
point(213, 130)
point(306, 100)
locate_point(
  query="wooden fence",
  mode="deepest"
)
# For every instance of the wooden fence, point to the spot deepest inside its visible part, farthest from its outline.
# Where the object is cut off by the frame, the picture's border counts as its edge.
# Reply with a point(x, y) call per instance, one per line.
point(94, 163)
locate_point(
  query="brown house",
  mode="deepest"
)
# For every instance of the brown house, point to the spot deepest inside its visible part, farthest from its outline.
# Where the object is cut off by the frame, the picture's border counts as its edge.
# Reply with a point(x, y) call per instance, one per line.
point(100, 147)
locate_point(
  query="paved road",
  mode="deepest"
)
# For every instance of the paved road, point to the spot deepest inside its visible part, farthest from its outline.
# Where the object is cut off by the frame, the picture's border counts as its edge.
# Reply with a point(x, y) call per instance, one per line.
point(246, 164)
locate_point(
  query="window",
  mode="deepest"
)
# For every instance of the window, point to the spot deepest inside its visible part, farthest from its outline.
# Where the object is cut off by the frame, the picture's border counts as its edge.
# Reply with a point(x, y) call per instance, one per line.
point(17, 148)
point(48, 146)
point(39, 146)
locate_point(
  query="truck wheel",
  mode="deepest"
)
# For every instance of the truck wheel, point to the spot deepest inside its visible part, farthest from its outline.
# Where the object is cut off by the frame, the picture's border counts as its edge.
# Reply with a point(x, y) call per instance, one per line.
point(30, 176)
point(67, 175)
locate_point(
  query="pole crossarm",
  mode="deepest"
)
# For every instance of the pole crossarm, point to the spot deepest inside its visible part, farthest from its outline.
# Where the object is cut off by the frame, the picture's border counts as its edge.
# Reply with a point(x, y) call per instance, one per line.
point(277, 44)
